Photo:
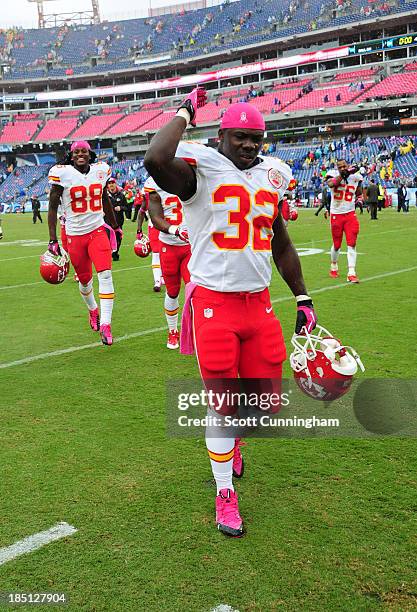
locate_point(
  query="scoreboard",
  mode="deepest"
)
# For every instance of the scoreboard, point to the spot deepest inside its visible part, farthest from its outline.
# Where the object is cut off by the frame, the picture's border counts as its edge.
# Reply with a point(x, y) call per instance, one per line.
point(383, 44)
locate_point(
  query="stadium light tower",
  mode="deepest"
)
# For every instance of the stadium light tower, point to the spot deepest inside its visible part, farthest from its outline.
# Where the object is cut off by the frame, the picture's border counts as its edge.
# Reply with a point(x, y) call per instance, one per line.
point(60, 19)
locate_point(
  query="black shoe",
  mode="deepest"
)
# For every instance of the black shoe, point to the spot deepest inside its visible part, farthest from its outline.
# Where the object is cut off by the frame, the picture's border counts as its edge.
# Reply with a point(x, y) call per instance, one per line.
point(115, 256)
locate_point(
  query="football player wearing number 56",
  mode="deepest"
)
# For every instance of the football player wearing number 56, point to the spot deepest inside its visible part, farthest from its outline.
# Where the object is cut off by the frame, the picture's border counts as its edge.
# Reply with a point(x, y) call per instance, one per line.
point(346, 185)
point(230, 198)
point(79, 186)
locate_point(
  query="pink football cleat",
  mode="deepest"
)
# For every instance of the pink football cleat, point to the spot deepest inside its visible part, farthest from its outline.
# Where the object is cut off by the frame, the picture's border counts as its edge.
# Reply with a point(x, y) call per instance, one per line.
point(238, 463)
point(105, 333)
point(334, 273)
point(173, 339)
point(228, 518)
point(352, 278)
point(94, 317)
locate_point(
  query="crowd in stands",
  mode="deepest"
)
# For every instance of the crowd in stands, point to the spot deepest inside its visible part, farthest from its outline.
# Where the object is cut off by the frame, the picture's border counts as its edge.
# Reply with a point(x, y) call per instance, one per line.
point(390, 161)
point(69, 50)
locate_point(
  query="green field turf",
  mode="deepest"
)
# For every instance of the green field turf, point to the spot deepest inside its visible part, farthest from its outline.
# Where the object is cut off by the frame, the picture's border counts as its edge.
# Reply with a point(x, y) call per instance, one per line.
point(331, 524)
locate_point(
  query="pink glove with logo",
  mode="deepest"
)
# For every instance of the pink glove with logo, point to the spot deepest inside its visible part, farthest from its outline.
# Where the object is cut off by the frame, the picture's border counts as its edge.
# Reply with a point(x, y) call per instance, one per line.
point(306, 317)
point(53, 247)
point(179, 231)
point(195, 99)
point(182, 234)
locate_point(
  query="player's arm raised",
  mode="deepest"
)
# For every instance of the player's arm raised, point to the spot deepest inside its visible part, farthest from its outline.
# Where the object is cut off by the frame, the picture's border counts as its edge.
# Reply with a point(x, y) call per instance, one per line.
point(171, 173)
point(334, 181)
point(54, 201)
point(108, 210)
point(288, 265)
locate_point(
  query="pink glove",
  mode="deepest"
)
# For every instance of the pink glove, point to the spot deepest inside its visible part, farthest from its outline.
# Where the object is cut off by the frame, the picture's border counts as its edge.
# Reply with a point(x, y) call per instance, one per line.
point(182, 234)
point(53, 247)
point(119, 231)
point(353, 170)
point(195, 99)
point(306, 317)
point(139, 235)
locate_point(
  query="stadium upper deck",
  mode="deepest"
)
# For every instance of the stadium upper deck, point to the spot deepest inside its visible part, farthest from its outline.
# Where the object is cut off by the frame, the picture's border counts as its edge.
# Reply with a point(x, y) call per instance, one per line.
point(73, 50)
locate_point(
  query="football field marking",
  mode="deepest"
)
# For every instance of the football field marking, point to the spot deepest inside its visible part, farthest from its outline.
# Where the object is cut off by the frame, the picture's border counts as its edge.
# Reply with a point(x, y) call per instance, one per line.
point(82, 347)
point(35, 541)
point(223, 608)
point(345, 284)
point(14, 258)
point(310, 244)
point(43, 282)
point(329, 239)
point(147, 332)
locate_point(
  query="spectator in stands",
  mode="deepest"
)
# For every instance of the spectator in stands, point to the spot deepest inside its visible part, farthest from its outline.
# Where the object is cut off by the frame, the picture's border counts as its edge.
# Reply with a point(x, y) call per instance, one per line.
point(326, 98)
point(36, 209)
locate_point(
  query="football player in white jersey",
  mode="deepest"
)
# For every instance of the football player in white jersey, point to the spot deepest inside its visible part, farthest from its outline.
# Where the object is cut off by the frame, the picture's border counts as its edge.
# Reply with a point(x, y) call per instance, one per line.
point(230, 198)
point(346, 185)
point(79, 187)
point(175, 251)
point(153, 235)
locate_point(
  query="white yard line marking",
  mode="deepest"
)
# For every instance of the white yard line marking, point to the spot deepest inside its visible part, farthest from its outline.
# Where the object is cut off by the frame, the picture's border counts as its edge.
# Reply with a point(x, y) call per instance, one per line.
point(35, 541)
point(24, 243)
point(43, 282)
point(22, 285)
point(223, 608)
point(147, 332)
point(340, 285)
point(329, 239)
point(74, 349)
point(15, 258)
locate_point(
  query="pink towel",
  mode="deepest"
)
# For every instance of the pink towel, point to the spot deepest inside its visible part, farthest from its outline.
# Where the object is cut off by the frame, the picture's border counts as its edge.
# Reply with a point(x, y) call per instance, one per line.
point(112, 237)
point(187, 340)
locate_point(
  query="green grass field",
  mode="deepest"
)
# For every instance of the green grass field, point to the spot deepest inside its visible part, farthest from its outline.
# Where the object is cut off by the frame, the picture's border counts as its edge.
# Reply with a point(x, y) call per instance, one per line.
point(331, 524)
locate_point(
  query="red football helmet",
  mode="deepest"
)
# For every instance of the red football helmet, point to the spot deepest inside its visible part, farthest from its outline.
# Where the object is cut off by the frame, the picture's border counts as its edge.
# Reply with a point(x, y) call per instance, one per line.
point(54, 268)
point(293, 214)
point(142, 246)
point(323, 367)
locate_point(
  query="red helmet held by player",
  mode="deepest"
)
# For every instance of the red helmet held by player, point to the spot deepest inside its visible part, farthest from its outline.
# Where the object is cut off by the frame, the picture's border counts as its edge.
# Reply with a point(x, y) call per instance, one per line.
point(142, 246)
point(54, 268)
point(293, 214)
point(323, 367)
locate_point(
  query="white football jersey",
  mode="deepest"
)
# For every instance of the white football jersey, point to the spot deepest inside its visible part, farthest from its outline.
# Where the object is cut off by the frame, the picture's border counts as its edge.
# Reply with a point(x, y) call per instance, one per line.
point(144, 208)
point(82, 196)
point(172, 207)
point(230, 219)
point(344, 196)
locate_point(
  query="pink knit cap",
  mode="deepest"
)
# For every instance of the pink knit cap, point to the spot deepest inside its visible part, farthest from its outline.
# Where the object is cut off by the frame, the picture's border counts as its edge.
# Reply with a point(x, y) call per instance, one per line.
point(242, 115)
point(80, 144)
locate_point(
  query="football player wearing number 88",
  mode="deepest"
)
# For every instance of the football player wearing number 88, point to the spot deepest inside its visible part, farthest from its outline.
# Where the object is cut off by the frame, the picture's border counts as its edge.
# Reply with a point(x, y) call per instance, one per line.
point(230, 200)
point(345, 184)
point(79, 187)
